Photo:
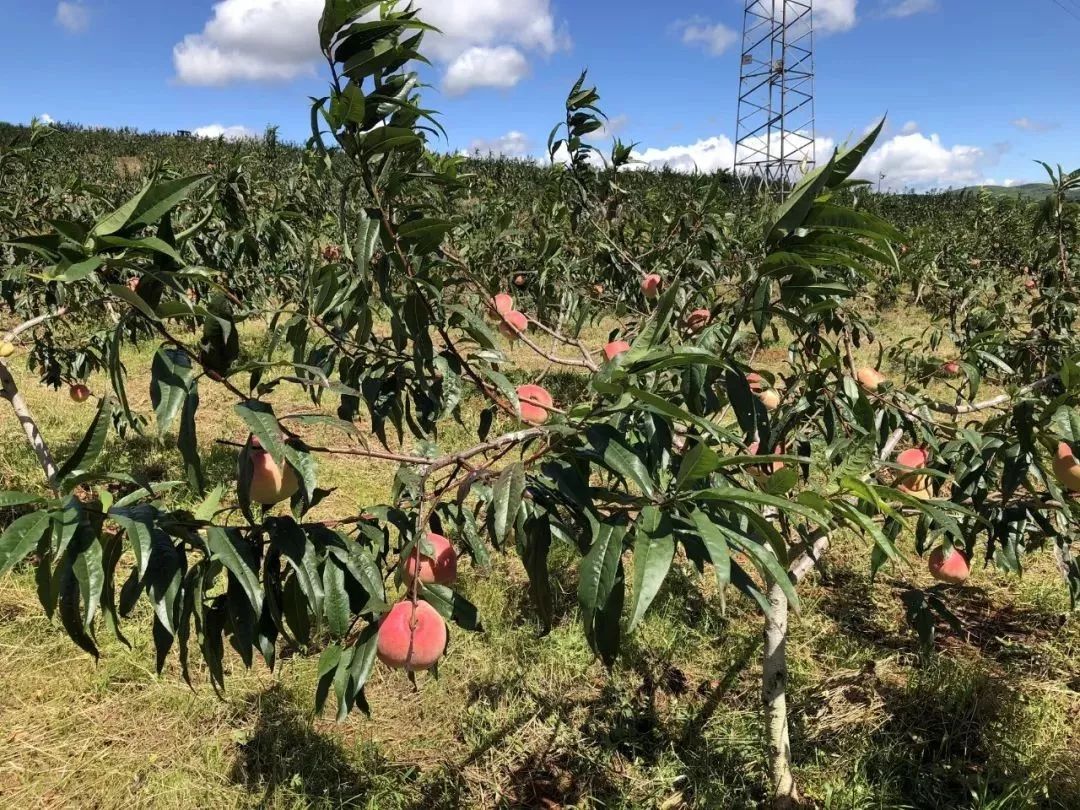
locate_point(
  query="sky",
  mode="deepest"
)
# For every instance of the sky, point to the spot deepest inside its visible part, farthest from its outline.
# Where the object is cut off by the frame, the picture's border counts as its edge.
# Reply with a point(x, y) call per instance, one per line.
point(974, 90)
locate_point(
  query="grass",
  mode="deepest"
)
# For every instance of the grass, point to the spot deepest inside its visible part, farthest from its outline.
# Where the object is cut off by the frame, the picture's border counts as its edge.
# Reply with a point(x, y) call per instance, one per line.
point(520, 720)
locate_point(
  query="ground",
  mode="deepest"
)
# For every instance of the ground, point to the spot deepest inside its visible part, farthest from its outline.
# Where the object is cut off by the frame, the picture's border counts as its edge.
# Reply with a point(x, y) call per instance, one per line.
point(519, 720)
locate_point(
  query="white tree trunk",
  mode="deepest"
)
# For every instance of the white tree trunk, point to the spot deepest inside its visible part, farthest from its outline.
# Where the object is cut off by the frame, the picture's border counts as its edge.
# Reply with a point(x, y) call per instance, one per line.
point(10, 391)
point(783, 790)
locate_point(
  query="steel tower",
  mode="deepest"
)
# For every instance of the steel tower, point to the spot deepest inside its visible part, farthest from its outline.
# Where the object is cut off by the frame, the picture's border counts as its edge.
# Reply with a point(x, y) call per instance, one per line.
point(775, 130)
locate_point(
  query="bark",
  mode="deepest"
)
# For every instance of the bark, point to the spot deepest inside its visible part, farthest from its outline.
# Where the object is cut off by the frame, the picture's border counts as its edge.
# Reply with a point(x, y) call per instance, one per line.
point(10, 391)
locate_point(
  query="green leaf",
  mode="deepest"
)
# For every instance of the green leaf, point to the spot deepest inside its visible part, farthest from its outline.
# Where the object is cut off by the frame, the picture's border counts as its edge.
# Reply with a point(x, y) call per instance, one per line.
point(424, 234)
point(187, 440)
point(600, 566)
point(138, 523)
point(171, 377)
point(654, 549)
point(125, 293)
point(289, 539)
point(699, 462)
point(20, 538)
point(452, 606)
point(791, 214)
point(240, 558)
point(93, 442)
point(506, 499)
point(716, 544)
point(161, 198)
point(116, 220)
point(619, 458)
point(79, 270)
point(260, 419)
point(335, 599)
point(164, 573)
point(11, 498)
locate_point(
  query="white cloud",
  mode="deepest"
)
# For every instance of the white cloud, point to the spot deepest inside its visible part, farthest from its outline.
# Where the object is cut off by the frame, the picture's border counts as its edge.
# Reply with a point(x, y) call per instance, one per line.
point(910, 127)
point(715, 38)
point(233, 133)
point(501, 67)
point(251, 40)
point(46, 119)
point(72, 15)
point(908, 8)
point(277, 40)
point(834, 15)
point(528, 24)
point(613, 127)
point(707, 155)
point(1034, 126)
point(513, 144)
point(920, 162)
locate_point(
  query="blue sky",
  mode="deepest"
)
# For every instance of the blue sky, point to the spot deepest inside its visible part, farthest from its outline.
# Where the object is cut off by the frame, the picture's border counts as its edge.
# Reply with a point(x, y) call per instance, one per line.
point(975, 89)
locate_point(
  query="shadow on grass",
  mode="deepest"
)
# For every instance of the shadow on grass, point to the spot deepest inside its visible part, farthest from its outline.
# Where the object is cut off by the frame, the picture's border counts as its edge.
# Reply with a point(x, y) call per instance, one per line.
point(286, 754)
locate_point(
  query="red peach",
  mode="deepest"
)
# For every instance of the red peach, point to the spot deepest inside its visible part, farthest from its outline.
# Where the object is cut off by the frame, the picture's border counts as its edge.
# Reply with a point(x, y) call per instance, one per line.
point(438, 570)
point(918, 485)
point(79, 393)
point(519, 280)
point(1067, 468)
point(502, 303)
point(870, 378)
point(953, 568)
point(698, 320)
point(650, 285)
point(951, 368)
point(270, 484)
point(535, 400)
point(754, 380)
point(514, 324)
point(133, 283)
point(411, 639)
point(615, 348)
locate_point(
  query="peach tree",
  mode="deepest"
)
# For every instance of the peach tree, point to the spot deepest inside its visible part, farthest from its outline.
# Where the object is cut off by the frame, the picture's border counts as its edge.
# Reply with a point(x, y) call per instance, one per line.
point(675, 450)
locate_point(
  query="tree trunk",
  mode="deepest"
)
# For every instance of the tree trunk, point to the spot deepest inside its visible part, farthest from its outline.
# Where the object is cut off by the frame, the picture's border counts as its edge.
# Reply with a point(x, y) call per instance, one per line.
point(10, 391)
point(784, 793)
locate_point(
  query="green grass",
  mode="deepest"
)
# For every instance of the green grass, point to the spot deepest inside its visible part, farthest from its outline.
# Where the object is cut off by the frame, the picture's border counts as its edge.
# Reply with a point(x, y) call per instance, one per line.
point(520, 720)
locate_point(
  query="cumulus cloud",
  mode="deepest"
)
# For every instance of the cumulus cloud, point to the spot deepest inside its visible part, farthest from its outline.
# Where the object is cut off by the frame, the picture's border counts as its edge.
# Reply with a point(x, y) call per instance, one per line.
point(233, 133)
point(920, 162)
point(910, 160)
point(251, 40)
point(714, 38)
point(706, 155)
point(908, 8)
point(834, 15)
point(910, 127)
point(276, 40)
point(46, 119)
point(72, 15)
point(1034, 126)
point(613, 127)
point(513, 144)
point(502, 67)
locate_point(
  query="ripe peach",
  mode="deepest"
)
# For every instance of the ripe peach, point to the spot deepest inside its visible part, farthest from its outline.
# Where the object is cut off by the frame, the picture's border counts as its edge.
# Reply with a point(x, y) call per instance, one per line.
point(502, 303)
point(870, 378)
point(535, 400)
point(133, 283)
point(650, 285)
point(698, 320)
point(615, 348)
point(411, 639)
point(951, 368)
point(519, 280)
point(598, 290)
point(1067, 468)
point(754, 380)
point(917, 485)
point(953, 568)
point(79, 393)
point(514, 324)
point(770, 399)
point(440, 570)
point(269, 483)
point(1030, 284)
point(332, 254)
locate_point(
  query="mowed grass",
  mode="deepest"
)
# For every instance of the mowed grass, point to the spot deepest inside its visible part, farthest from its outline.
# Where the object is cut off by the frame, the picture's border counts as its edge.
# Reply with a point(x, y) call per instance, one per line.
point(520, 720)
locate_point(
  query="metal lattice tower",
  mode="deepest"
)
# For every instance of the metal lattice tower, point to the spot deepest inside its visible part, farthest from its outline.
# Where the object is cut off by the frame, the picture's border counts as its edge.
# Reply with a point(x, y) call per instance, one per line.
point(775, 131)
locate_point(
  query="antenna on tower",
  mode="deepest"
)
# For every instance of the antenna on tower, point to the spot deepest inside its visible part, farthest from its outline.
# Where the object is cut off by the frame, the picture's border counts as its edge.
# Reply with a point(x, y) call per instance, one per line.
point(775, 132)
